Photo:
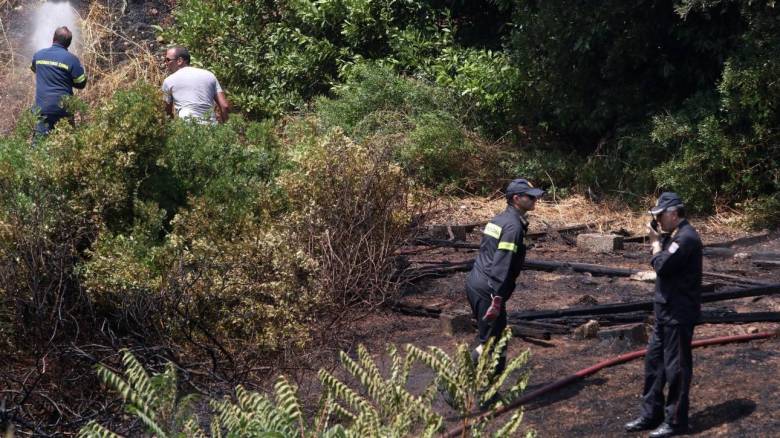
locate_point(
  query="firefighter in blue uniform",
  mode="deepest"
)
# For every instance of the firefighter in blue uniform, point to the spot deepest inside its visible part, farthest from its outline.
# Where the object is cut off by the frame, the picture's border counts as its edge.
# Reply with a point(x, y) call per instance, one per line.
point(677, 261)
point(501, 254)
point(57, 72)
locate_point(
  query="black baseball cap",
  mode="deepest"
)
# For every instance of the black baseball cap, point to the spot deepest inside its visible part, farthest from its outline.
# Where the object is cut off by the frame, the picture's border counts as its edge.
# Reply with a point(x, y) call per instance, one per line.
point(521, 186)
point(665, 201)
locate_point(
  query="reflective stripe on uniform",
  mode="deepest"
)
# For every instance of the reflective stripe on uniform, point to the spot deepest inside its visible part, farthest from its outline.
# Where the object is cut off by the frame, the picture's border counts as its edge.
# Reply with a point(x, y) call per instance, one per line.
point(80, 79)
point(53, 64)
point(509, 246)
point(493, 230)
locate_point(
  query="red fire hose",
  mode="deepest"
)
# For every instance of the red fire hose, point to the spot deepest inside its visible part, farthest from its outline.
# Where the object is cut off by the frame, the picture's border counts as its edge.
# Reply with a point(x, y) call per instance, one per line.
point(581, 374)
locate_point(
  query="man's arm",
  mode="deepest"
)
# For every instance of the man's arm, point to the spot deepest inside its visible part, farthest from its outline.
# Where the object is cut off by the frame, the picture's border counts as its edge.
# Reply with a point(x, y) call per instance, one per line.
point(78, 75)
point(674, 258)
point(223, 106)
point(168, 98)
point(502, 259)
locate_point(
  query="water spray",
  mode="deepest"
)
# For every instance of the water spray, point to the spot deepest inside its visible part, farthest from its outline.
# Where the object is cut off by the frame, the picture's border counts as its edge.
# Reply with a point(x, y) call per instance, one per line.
point(49, 16)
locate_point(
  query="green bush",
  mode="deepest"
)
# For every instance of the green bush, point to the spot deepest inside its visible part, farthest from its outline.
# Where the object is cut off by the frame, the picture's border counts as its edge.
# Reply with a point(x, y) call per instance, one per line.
point(349, 211)
point(214, 235)
point(371, 89)
point(762, 213)
point(414, 116)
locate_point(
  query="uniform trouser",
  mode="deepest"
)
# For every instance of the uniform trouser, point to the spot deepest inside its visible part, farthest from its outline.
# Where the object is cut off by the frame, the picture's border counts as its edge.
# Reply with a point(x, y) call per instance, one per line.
point(669, 360)
point(487, 329)
point(46, 123)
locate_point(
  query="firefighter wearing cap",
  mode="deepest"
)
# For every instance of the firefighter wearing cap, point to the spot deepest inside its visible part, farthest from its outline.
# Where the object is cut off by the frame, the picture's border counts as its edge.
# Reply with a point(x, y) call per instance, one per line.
point(57, 72)
point(677, 261)
point(501, 254)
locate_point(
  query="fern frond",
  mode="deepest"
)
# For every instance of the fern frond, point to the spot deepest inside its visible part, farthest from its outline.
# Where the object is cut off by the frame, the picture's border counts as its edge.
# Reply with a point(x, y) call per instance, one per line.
point(341, 411)
point(371, 382)
point(95, 430)
point(263, 413)
point(511, 426)
point(344, 392)
point(192, 429)
point(129, 394)
point(287, 401)
point(148, 421)
point(138, 379)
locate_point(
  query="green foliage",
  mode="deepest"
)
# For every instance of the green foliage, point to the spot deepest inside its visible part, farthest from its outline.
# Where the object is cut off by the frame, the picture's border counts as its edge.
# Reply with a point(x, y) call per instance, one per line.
point(762, 213)
point(377, 404)
point(349, 205)
point(551, 167)
point(154, 400)
point(414, 116)
point(467, 385)
point(370, 89)
point(488, 84)
point(590, 70)
point(274, 58)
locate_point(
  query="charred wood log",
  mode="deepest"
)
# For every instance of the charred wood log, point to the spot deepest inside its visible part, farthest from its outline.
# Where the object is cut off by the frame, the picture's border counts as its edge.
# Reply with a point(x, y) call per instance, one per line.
point(607, 309)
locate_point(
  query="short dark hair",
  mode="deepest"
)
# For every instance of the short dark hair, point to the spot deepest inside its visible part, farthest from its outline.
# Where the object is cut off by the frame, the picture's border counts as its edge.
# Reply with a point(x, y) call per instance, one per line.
point(181, 52)
point(63, 36)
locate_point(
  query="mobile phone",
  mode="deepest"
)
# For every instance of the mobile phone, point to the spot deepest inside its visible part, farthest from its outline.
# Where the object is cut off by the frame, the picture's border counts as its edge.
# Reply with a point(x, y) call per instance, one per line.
point(654, 224)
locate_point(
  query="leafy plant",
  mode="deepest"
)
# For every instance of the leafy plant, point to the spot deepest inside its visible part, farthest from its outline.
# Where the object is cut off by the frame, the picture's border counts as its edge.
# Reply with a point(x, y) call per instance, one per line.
point(378, 404)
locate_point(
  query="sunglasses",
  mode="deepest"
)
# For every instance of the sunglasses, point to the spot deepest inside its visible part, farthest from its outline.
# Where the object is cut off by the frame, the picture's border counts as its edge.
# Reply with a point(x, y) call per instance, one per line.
point(170, 59)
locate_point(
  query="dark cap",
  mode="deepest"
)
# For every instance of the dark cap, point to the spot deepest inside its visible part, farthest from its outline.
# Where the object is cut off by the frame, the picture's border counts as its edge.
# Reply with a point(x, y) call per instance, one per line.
point(665, 201)
point(521, 186)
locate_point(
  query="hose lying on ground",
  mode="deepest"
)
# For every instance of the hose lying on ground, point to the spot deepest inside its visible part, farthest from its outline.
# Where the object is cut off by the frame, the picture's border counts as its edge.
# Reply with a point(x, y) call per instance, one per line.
point(581, 374)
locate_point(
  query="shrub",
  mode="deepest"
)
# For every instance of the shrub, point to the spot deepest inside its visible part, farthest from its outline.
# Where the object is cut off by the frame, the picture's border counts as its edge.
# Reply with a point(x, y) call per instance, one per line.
point(552, 168)
point(763, 212)
point(373, 405)
point(415, 117)
point(375, 89)
point(349, 210)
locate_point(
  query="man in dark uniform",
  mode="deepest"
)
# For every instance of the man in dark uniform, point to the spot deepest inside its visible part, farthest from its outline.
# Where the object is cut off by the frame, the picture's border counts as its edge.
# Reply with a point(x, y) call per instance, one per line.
point(677, 260)
point(57, 72)
point(501, 254)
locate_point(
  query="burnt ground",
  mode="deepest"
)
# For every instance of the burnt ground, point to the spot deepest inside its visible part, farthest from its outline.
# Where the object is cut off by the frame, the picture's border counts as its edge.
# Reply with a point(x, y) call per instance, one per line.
point(735, 386)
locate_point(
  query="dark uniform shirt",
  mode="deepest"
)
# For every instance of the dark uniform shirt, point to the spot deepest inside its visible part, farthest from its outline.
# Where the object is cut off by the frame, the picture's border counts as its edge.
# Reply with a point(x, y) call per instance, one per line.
point(57, 71)
point(678, 270)
point(501, 255)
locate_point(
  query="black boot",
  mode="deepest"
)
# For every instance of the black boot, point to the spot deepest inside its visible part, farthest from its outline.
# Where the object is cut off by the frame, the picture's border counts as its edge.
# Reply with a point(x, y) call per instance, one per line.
point(641, 423)
point(666, 429)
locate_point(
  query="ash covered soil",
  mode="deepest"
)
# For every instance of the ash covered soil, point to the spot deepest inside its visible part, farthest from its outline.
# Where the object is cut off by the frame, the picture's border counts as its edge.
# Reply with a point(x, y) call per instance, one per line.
point(735, 386)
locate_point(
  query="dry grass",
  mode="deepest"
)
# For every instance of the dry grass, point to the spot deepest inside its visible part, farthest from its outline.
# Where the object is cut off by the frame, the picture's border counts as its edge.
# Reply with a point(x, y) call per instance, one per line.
point(113, 60)
point(726, 224)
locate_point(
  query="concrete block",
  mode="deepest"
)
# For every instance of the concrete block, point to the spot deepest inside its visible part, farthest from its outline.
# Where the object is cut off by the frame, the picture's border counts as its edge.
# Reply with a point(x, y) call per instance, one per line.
point(587, 331)
point(598, 243)
point(453, 323)
point(634, 334)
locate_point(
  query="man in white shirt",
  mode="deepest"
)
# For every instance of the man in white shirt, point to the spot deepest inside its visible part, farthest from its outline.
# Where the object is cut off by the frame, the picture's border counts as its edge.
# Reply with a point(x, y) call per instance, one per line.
point(190, 92)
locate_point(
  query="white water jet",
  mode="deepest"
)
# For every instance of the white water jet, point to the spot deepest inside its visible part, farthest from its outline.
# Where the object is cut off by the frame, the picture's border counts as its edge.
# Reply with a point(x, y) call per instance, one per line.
point(47, 18)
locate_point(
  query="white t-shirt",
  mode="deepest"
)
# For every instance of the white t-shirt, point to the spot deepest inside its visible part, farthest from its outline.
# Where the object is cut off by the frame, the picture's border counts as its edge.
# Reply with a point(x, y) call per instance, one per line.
point(192, 91)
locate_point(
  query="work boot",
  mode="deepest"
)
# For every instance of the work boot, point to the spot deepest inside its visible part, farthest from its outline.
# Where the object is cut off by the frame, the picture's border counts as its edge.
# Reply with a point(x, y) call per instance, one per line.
point(641, 423)
point(666, 429)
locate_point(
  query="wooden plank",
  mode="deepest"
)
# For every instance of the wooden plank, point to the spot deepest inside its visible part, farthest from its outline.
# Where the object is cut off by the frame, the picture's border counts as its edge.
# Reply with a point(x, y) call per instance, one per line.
point(766, 263)
point(606, 309)
point(737, 318)
point(749, 240)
